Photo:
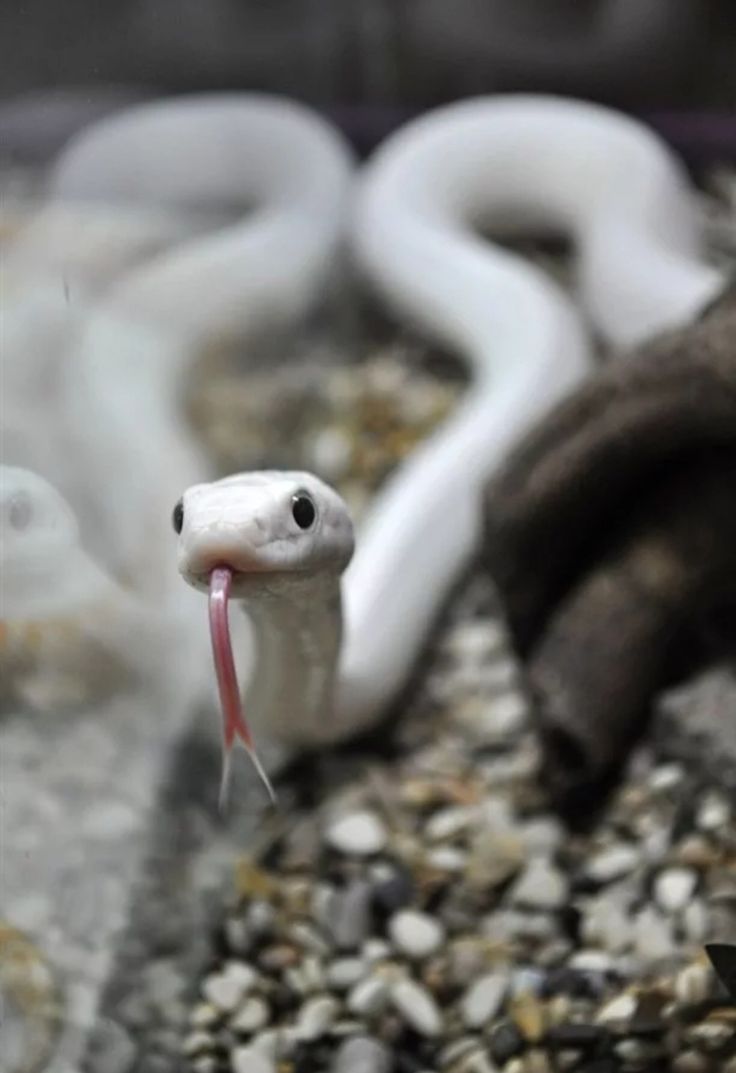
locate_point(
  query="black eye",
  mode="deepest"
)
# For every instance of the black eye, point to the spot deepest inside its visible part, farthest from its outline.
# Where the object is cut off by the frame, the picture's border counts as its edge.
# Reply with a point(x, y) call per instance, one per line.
point(177, 518)
point(302, 509)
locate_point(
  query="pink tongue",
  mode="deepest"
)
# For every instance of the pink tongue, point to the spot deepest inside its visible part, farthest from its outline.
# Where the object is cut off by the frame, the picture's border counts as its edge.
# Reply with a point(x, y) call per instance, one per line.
point(235, 728)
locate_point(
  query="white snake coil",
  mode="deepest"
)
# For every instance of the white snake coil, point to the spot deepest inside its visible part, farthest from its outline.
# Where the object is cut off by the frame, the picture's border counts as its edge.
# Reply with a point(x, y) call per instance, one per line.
point(601, 179)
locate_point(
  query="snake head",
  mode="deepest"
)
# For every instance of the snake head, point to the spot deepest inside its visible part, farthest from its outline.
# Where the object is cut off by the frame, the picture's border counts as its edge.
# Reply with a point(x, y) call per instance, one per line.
point(263, 526)
point(249, 534)
point(36, 523)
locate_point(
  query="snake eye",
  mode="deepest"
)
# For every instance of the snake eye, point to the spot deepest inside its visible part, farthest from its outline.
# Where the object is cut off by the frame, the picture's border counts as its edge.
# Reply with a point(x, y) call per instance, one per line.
point(303, 510)
point(20, 512)
point(177, 517)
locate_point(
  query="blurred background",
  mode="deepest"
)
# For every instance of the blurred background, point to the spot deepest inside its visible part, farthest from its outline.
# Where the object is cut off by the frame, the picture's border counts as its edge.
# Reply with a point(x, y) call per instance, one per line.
point(371, 62)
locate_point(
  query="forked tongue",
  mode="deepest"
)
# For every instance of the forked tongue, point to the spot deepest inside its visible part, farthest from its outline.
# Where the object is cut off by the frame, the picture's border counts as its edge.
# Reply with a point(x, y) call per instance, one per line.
point(234, 726)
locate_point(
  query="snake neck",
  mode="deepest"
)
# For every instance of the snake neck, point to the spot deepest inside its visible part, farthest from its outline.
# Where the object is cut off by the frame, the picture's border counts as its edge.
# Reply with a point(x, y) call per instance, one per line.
point(298, 630)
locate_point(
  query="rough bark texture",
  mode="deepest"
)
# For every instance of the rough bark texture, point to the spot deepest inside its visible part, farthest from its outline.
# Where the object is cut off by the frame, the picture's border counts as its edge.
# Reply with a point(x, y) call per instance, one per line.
point(612, 537)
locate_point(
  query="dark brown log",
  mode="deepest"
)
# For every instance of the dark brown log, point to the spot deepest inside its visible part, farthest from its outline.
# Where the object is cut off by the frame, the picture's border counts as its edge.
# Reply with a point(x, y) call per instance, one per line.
point(609, 644)
point(549, 513)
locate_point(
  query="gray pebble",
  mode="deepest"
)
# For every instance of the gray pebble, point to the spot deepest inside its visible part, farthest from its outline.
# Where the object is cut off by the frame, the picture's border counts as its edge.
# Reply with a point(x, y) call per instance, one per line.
point(613, 863)
point(362, 1055)
point(369, 997)
point(350, 915)
point(316, 1016)
point(417, 1007)
point(344, 973)
point(540, 886)
point(483, 999)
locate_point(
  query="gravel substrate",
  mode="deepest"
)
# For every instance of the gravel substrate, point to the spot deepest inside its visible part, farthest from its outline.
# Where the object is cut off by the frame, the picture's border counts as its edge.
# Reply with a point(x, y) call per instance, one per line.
point(434, 915)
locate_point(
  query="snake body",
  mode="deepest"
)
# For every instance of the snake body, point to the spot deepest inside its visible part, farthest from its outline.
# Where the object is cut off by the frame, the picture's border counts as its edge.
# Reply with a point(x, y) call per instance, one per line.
point(606, 183)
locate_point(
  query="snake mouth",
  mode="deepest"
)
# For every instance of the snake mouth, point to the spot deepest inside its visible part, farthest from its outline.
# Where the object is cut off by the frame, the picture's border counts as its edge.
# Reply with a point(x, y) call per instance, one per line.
point(235, 727)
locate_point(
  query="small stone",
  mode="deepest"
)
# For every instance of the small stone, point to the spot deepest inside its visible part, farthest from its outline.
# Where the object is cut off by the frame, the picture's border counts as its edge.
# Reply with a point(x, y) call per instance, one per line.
point(506, 1042)
point(362, 1054)
point(695, 921)
point(713, 813)
point(350, 921)
point(541, 886)
point(203, 1015)
point(344, 973)
point(618, 1011)
point(666, 777)
point(613, 863)
point(596, 962)
point(226, 989)
point(316, 1016)
point(674, 887)
point(375, 950)
point(691, 1062)
point(415, 934)
point(360, 834)
point(238, 935)
point(251, 1060)
point(482, 1000)
point(693, 985)
point(369, 997)
point(308, 938)
point(528, 1015)
point(449, 822)
point(495, 856)
point(417, 1007)
point(447, 859)
point(653, 935)
point(196, 1043)
point(606, 923)
point(474, 639)
point(253, 1015)
point(392, 890)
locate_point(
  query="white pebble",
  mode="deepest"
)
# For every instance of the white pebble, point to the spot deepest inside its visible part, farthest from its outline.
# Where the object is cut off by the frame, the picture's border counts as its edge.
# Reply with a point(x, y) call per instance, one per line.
point(376, 950)
point(415, 934)
point(316, 1016)
point(693, 984)
point(368, 998)
point(417, 1007)
point(447, 859)
point(250, 1060)
point(613, 863)
point(482, 1000)
point(674, 887)
point(714, 812)
point(345, 973)
point(360, 834)
point(653, 935)
point(252, 1015)
point(226, 989)
point(331, 450)
point(541, 886)
point(618, 1010)
point(448, 822)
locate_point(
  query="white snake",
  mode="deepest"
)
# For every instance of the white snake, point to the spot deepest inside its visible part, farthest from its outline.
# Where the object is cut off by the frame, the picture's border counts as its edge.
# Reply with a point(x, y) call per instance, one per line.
point(619, 194)
point(602, 179)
